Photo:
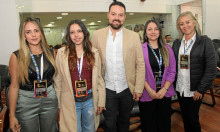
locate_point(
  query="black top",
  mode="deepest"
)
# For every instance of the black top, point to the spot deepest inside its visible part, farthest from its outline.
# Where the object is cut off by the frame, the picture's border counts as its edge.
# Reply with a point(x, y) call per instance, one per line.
point(153, 61)
point(32, 75)
point(202, 63)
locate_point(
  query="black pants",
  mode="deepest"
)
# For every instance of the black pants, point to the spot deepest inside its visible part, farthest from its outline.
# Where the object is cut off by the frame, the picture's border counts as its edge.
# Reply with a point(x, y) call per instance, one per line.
point(118, 109)
point(190, 113)
point(156, 115)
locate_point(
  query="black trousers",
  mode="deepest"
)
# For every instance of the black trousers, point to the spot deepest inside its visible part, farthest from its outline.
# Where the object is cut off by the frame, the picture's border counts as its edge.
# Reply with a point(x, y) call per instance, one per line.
point(118, 109)
point(156, 115)
point(190, 113)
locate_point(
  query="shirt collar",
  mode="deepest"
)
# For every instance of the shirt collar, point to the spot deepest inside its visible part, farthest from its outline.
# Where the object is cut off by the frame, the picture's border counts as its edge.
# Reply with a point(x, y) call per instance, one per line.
point(117, 33)
point(192, 39)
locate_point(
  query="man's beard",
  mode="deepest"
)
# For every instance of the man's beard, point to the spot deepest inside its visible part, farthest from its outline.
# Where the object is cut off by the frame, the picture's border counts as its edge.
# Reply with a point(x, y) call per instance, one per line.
point(116, 27)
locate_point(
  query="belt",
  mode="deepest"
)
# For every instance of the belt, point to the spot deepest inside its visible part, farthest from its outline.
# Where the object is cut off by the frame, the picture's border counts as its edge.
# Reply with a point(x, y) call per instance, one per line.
point(84, 98)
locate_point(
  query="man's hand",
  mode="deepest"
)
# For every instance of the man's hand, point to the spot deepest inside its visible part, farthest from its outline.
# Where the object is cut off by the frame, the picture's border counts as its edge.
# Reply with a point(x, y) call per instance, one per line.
point(137, 96)
point(99, 110)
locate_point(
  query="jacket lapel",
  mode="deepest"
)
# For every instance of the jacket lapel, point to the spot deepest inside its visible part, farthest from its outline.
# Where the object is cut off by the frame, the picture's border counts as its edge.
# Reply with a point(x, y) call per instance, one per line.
point(67, 72)
point(146, 59)
point(177, 49)
point(103, 44)
point(196, 43)
point(125, 43)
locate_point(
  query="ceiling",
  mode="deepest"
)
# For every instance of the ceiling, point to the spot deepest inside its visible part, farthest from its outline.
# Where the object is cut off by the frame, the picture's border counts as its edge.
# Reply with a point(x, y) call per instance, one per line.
point(91, 18)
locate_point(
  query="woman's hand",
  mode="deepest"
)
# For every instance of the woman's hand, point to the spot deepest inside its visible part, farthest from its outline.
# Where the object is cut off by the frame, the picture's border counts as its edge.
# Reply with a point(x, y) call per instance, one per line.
point(14, 125)
point(197, 96)
point(161, 93)
point(99, 110)
point(13, 93)
point(153, 94)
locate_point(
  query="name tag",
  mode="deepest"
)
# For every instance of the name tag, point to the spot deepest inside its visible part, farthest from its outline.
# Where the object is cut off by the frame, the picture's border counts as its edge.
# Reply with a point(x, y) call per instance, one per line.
point(158, 79)
point(40, 89)
point(81, 88)
point(184, 61)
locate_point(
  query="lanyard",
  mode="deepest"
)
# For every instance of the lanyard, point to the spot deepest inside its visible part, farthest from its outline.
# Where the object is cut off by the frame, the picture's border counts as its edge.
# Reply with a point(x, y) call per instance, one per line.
point(37, 69)
point(79, 65)
point(158, 61)
point(187, 47)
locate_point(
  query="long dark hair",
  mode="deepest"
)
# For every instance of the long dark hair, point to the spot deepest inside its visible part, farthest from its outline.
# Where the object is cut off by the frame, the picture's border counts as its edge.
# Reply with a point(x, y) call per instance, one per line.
point(160, 40)
point(87, 46)
point(161, 43)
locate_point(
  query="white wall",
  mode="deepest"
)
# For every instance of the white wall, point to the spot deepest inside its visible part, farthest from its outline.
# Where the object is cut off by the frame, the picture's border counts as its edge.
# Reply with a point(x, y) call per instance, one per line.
point(8, 30)
point(211, 18)
point(170, 23)
point(196, 10)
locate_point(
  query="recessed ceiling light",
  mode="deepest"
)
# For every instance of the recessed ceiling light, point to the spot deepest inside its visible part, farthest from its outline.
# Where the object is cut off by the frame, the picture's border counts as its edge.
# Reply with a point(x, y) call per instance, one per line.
point(92, 23)
point(59, 17)
point(131, 13)
point(52, 22)
point(49, 24)
point(99, 21)
point(64, 14)
point(83, 20)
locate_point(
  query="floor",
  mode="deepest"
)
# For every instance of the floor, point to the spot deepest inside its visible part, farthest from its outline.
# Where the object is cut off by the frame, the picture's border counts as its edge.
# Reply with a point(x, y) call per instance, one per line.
point(209, 118)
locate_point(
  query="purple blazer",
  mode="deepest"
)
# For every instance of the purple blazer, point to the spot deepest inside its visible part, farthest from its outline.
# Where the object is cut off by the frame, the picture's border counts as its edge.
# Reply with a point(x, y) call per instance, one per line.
point(169, 73)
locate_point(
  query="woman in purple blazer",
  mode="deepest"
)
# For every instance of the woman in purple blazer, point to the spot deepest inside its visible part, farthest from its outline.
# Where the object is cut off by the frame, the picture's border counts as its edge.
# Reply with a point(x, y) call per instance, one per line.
point(160, 63)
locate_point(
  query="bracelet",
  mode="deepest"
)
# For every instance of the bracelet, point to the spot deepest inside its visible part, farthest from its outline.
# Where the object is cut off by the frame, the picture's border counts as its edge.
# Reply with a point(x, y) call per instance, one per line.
point(166, 88)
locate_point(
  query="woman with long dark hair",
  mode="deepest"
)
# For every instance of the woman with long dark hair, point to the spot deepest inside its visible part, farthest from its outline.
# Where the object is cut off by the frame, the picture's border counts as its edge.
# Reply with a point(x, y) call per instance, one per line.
point(79, 85)
point(160, 64)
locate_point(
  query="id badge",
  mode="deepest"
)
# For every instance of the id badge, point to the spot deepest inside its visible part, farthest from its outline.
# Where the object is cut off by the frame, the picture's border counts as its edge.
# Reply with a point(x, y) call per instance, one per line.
point(81, 88)
point(158, 79)
point(184, 61)
point(40, 88)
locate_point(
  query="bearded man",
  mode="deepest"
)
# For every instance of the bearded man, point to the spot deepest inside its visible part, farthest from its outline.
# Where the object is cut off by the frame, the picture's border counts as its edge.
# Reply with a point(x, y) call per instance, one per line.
point(123, 68)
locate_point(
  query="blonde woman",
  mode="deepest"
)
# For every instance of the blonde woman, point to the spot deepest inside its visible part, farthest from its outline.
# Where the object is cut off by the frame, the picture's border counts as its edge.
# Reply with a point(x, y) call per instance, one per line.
point(32, 98)
point(196, 69)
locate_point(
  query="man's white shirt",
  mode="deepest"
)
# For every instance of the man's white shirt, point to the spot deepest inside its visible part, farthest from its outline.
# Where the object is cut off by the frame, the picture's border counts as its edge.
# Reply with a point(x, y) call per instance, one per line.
point(115, 77)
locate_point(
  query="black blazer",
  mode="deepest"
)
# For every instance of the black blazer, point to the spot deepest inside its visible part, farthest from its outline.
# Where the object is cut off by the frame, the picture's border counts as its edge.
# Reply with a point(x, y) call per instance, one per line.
point(202, 63)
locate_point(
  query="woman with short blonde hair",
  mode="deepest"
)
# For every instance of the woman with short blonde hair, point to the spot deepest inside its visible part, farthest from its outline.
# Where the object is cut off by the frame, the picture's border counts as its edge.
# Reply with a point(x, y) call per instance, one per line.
point(196, 69)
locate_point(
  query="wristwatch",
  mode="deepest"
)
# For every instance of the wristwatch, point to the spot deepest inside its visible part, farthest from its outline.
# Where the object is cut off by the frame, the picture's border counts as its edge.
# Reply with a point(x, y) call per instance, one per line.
point(166, 88)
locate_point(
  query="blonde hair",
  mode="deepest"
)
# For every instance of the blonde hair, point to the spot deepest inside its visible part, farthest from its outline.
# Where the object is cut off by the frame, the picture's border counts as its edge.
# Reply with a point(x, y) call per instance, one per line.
point(24, 51)
point(191, 17)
